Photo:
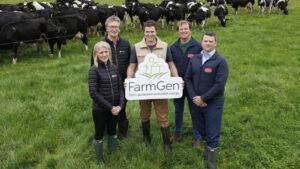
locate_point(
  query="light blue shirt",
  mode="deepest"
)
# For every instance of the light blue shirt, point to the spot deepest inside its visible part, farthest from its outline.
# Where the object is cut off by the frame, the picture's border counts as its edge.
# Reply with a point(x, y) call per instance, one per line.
point(206, 56)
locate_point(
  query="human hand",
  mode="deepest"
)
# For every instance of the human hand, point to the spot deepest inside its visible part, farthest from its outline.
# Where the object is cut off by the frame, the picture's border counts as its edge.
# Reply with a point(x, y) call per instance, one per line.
point(203, 104)
point(115, 110)
point(197, 100)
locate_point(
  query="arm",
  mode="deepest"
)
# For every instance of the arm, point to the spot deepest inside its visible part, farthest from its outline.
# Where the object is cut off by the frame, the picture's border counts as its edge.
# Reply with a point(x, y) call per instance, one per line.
point(133, 63)
point(189, 81)
point(130, 70)
point(93, 90)
point(171, 64)
point(173, 69)
point(220, 81)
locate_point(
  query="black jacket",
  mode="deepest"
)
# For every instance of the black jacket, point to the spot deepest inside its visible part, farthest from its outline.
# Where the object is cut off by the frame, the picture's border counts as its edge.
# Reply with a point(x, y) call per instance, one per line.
point(105, 87)
point(120, 55)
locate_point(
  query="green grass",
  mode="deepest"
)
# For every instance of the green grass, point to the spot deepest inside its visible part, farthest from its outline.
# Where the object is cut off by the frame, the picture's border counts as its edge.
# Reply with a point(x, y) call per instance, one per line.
point(45, 109)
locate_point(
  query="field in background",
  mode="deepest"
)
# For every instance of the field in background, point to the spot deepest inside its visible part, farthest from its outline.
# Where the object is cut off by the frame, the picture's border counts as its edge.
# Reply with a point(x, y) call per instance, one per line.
point(45, 110)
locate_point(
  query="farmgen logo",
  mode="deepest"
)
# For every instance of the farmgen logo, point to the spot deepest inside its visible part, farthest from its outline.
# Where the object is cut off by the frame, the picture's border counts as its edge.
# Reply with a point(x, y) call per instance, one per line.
point(153, 68)
point(153, 81)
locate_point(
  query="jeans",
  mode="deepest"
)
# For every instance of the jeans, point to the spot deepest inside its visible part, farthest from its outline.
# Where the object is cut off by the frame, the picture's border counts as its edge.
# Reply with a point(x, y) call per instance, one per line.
point(179, 109)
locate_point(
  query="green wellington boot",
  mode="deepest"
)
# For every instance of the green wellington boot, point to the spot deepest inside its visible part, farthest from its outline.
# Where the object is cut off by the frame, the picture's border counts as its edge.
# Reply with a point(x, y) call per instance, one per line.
point(98, 144)
point(112, 143)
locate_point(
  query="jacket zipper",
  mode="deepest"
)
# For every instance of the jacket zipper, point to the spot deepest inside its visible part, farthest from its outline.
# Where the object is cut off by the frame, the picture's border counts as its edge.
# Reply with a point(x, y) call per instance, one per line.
point(116, 56)
point(112, 91)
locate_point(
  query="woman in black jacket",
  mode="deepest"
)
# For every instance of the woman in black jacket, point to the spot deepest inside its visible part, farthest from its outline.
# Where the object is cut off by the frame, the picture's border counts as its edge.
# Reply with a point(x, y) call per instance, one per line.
point(107, 93)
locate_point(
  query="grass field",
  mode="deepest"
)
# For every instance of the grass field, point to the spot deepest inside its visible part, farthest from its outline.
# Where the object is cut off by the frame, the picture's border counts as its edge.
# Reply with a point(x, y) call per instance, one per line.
point(45, 109)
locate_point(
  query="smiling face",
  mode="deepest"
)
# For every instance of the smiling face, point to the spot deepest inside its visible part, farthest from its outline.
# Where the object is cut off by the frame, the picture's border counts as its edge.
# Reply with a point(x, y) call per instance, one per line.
point(208, 43)
point(103, 54)
point(184, 32)
point(150, 34)
point(113, 29)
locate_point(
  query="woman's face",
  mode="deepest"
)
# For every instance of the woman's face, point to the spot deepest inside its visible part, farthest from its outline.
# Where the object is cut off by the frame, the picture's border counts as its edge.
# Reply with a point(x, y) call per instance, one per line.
point(103, 54)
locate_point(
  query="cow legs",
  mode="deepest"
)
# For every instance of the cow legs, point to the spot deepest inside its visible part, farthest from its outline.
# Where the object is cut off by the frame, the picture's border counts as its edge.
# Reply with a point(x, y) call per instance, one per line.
point(14, 53)
point(51, 47)
point(84, 39)
point(40, 46)
point(59, 49)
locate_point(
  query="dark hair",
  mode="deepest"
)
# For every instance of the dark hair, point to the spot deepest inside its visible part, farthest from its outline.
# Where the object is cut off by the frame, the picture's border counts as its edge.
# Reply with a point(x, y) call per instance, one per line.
point(149, 23)
point(210, 34)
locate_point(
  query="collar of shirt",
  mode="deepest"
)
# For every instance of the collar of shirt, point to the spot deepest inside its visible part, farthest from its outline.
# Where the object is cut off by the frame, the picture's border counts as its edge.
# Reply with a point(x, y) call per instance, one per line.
point(206, 56)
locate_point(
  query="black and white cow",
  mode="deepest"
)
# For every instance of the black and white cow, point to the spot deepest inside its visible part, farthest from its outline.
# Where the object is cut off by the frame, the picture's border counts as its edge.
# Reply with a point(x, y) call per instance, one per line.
point(200, 16)
point(242, 3)
point(27, 31)
point(221, 11)
point(263, 4)
point(282, 5)
point(216, 2)
point(175, 12)
point(193, 6)
point(74, 24)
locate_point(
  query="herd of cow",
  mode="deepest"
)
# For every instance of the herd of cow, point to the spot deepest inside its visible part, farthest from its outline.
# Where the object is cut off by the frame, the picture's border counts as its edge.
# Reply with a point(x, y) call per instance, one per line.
point(36, 22)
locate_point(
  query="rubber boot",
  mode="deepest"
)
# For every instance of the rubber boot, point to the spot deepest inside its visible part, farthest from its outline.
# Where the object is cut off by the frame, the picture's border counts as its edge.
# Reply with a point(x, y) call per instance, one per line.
point(98, 144)
point(123, 129)
point(205, 152)
point(166, 139)
point(211, 158)
point(112, 143)
point(146, 132)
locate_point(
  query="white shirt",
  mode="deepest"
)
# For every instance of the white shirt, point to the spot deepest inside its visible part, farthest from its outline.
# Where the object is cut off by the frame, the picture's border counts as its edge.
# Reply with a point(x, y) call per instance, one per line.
point(206, 56)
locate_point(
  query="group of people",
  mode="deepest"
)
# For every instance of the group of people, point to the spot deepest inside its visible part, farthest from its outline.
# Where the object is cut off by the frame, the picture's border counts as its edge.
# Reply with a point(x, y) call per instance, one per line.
point(204, 72)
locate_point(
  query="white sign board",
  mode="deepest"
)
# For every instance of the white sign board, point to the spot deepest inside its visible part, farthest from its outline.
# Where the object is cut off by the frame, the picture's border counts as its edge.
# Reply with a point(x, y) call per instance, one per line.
point(153, 81)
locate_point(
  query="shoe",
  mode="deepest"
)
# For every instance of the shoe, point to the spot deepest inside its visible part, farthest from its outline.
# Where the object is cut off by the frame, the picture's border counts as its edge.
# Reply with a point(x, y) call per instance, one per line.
point(196, 143)
point(177, 137)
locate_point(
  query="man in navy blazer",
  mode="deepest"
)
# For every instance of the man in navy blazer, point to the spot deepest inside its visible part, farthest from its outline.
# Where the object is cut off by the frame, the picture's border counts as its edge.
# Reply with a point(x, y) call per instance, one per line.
point(205, 79)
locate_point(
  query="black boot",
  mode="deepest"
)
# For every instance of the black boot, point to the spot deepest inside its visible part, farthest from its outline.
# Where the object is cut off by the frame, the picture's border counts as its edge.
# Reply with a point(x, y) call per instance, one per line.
point(166, 139)
point(123, 129)
point(146, 132)
point(112, 143)
point(98, 144)
point(211, 158)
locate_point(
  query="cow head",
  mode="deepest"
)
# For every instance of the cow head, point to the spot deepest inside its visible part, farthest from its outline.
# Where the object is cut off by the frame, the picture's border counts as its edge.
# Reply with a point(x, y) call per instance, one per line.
point(283, 5)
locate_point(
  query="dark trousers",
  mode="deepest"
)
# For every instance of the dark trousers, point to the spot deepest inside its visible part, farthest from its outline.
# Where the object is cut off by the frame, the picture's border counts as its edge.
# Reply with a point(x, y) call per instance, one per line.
point(179, 110)
point(209, 121)
point(104, 120)
point(122, 115)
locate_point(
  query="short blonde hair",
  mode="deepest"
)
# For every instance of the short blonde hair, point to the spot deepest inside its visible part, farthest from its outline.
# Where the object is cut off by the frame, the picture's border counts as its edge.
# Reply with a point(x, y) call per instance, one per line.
point(112, 18)
point(182, 22)
point(97, 48)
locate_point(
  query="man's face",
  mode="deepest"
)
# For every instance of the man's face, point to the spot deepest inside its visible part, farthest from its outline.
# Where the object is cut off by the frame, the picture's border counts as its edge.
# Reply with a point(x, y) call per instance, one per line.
point(208, 43)
point(150, 33)
point(184, 31)
point(113, 29)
